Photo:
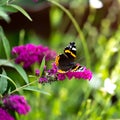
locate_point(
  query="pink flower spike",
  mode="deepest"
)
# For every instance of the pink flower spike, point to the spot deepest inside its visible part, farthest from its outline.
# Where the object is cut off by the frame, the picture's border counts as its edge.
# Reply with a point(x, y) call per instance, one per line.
point(61, 76)
point(16, 103)
point(4, 115)
point(37, 72)
point(85, 74)
point(70, 75)
point(43, 80)
point(80, 74)
point(29, 54)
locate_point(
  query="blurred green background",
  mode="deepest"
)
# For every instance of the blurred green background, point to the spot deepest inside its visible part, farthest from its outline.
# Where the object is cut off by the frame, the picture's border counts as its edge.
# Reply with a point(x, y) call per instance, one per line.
point(99, 22)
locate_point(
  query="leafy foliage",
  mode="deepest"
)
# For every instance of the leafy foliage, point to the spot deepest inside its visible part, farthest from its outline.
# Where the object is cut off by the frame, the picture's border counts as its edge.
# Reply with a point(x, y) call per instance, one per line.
point(3, 83)
point(5, 43)
point(97, 36)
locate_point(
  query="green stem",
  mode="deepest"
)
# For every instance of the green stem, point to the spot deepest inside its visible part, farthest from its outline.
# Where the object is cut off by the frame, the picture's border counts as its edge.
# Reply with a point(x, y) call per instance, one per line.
point(10, 1)
point(9, 80)
point(81, 36)
point(17, 89)
point(1, 96)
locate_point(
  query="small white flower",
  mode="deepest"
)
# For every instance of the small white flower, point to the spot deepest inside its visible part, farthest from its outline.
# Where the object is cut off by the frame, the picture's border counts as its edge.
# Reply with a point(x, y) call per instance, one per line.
point(96, 3)
point(109, 86)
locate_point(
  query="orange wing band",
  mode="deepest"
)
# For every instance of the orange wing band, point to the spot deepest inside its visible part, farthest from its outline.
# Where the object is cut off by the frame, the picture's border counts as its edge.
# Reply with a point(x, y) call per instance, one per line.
point(57, 60)
point(67, 51)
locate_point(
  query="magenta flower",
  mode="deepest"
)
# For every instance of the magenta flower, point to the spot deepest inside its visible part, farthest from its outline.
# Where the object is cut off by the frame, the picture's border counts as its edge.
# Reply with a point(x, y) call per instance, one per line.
point(16, 103)
point(29, 54)
point(61, 76)
point(37, 72)
point(4, 115)
point(43, 80)
point(53, 70)
point(81, 73)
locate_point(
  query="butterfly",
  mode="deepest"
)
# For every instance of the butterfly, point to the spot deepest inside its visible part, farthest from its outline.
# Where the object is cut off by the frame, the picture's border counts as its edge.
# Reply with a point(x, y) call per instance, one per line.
point(66, 61)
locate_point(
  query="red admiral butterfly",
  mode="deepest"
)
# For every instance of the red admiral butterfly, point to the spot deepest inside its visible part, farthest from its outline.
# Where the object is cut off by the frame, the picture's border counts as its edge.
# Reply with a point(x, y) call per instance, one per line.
point(65, 62)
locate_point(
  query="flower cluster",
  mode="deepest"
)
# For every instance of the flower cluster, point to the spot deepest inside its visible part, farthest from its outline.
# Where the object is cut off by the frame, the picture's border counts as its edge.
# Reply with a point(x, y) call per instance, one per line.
point(79, 74)
point(4, 115)
point(15, 103)
point(52, 74)
point(29, 54)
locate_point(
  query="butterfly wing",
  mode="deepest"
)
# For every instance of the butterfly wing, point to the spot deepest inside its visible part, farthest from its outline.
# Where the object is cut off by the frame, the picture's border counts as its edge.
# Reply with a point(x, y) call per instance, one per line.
point(65, 61)
point(70, 50)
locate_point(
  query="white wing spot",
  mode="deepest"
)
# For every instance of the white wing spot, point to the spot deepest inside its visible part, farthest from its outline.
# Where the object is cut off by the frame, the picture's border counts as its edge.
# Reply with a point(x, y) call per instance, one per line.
point(74, 48)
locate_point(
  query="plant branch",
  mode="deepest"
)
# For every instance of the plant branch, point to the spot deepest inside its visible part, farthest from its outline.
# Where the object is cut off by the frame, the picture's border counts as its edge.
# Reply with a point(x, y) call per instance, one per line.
point(17, 89)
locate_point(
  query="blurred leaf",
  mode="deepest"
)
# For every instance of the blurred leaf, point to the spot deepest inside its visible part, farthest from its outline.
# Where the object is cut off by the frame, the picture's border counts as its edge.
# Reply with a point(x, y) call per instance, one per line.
point(35, 89)
point(21, 10)
point(9, 91)
point(21, 37)
point(21, 71)
point(7, 8)
point(55, 16)
point(4, 62)
point(3, 83)
point(5, 43)
point(55, 39)
point(8, 78)
point(15, 66)
point(2, 2)
point(42, 66)
point(4, 16)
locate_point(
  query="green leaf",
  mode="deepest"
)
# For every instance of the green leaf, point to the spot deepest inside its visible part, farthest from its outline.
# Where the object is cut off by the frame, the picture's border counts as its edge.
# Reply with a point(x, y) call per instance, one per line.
point(9, 91)
point(5, 43)
point(42, 66)
point(35, 89)
point(3, 83)
point(21, 10)
point(21, 71)
point(4, 16)
point(7, 8)
point(15, 66)
point(8, 78)
point(3, 2)
point(4, 62)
